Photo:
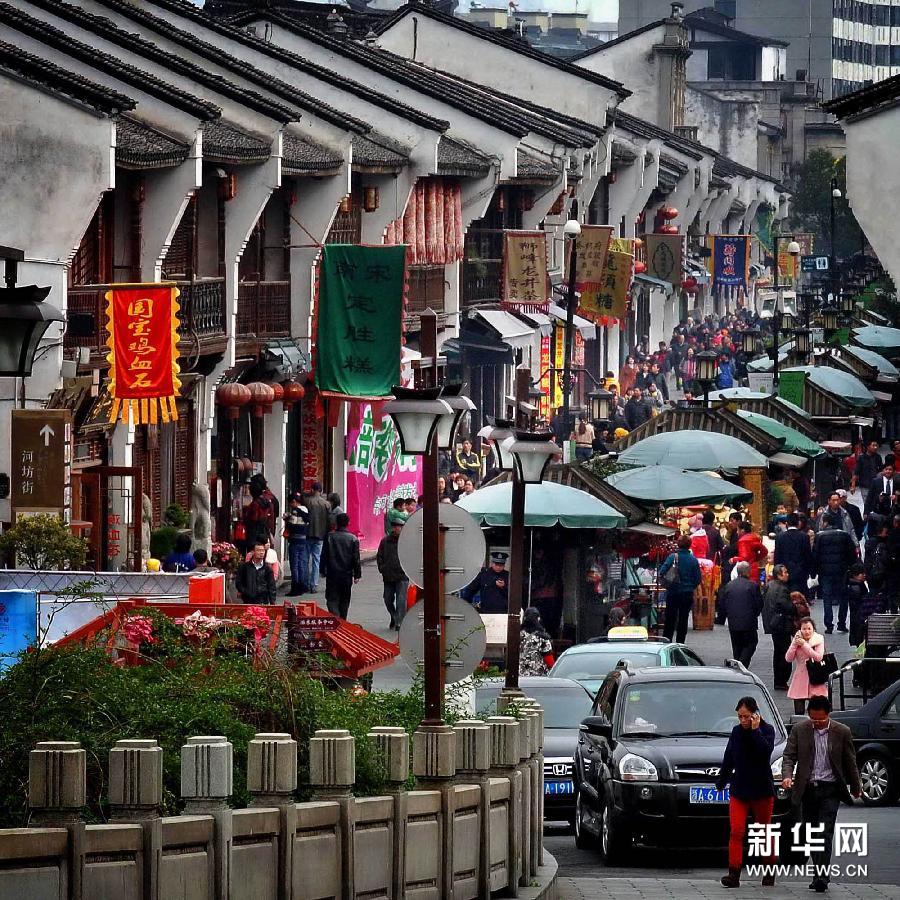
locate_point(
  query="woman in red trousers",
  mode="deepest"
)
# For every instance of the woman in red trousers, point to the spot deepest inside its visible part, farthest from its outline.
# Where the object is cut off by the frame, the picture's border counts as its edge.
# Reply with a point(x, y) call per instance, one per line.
point(746, 769)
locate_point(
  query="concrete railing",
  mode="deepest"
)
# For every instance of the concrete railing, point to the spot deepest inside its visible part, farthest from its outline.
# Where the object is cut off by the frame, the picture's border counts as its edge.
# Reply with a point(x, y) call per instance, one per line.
point(471, 828)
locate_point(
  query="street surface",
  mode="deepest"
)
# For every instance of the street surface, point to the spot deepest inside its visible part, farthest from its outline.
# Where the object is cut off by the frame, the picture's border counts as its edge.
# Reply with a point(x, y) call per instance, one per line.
point(655, 875)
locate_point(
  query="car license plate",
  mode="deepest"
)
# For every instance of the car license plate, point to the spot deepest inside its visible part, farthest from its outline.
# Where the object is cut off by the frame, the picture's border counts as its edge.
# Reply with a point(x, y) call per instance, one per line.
point(554, 788)
point(708, 795)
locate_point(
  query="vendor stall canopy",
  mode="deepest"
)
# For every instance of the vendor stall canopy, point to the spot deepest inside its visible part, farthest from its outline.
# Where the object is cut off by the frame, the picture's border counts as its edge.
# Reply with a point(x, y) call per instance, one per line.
point(884, 366)
point(841, 384)
point(673, 486)
point(696, 450)
point(878, 337)
point(546, 504)
point(794, 441)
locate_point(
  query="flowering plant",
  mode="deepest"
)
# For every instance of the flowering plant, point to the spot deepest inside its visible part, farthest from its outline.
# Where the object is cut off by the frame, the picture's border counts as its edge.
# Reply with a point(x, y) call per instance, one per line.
point(225, 556)
point(198, 626)
point(138, 630)
point(256, 619)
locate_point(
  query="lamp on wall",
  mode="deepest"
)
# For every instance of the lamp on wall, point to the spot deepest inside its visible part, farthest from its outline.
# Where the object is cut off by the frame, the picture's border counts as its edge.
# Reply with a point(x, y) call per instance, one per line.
point(370, 198)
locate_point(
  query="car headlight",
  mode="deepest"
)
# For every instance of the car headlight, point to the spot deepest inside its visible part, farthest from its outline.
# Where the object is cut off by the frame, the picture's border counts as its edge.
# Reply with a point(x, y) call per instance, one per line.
point(636, 768)
point(776, 768)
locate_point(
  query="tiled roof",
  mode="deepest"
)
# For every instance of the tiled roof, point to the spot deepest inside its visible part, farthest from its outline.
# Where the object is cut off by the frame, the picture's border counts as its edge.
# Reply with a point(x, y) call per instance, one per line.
point(169, 62)
point(216, 26)
point(520, 47)
point(456, 158)
point(867, 99)
point(139, 146)
point(45, 74)
point(528, 166)
point(619, 40)
point(697, 22)
point(104, 62)
point(517, 117)
point(227, 143)
point(302, 157)
point(377, 152)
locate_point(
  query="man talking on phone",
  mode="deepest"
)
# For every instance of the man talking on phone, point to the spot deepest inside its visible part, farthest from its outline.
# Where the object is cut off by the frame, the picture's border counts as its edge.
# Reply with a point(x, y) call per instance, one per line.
point(819, 768)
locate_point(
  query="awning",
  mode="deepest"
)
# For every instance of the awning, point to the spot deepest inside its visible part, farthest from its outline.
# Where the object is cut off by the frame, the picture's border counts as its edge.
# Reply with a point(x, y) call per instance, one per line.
point(537, 320)
point(512, 330)
point(586, 328)
point(287, 356)
point(882, 396)
point(652, 529)
point(788, 460)
point(478, 349)
point(657, 283)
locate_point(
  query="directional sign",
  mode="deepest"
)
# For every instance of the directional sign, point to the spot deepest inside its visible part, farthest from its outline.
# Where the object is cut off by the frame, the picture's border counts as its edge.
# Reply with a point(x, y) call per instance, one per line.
point(41, 441)
point(317, 623)
point(464, 547)
point(813, 263)
point(464, 637)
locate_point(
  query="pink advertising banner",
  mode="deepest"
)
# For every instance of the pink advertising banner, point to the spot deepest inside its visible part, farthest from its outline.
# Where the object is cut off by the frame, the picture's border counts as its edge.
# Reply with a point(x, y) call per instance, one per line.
point(377, 472)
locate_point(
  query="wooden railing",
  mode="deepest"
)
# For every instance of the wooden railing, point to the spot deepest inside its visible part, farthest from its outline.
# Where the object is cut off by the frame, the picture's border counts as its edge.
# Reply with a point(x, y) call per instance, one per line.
point(264, 309)
point(481, 280)
point(201, 315)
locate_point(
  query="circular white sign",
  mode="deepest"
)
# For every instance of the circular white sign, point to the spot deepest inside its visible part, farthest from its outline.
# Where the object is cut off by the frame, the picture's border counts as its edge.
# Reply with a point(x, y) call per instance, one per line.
point(464, 547)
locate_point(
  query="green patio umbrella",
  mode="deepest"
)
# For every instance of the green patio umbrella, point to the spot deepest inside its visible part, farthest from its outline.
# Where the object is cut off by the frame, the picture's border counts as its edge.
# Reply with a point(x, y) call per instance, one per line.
point(884, 366)
point(764, 364)
point(794, 441)
point(693, 450)
point(878, 337)
point(546, 504)
point(672, 486)
point(838, 382)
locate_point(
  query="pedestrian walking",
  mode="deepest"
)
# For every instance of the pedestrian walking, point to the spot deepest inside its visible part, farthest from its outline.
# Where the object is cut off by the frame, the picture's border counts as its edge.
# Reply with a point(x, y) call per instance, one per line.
point(583, 435)
point(319, 514)
point(807, 646)
point(296, 523)
point(395, 579)
point(535, 648)
point(750, 549)
point(680, 588)
point(778, 621)
point(341, 567)
point(742, 604)
point(259, 515)
point(862, 604)
point(747, 771)
point(792, 550)
point(819, 768)
point(868, 465)
point(468, 461)
point(254, 580)
point(334, 501)
point(836, 508)
point(833, 553)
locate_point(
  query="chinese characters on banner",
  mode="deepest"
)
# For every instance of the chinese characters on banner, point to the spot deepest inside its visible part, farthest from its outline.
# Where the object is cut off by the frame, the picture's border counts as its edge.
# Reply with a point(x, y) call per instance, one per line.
point(590, 262)
point(559, 361)
point(788, 265)
point(546, 376)
point(377, 472)
point(526, 284)
point(612, 300)
point(664, 257)
point(731, 259)
point(312, 451)
point(143, 352)
point(359, 319)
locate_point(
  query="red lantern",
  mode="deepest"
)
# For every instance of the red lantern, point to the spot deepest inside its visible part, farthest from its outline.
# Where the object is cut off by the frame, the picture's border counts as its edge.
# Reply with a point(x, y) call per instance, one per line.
point(293, 393)
point(261, 397)
point(668, 213)
point(278, 392)
point(640, 267)
point(689, 284)
point(233, 396)
point(668, 229)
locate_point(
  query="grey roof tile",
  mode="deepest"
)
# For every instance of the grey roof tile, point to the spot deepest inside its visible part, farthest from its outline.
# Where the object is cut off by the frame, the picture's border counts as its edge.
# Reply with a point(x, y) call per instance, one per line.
point(301, 156)
point(139, 146)
point(223, 142)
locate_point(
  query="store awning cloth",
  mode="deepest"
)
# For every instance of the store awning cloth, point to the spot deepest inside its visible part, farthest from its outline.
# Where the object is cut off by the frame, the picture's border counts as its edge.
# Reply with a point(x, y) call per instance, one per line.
point(788, 460)
point(670, 485)
point(512, 330)
point(586, 328)
point(794, 441)
point(693, 450)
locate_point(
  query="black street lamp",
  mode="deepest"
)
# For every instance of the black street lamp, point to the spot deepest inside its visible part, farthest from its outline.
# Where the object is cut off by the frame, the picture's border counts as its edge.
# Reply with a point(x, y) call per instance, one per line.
point(707, 371)
point(600, 400)
point(830, 322)
point(571, 231)
point(802, 344)
point(832, 262)
point(24, 318)
point(749, 338)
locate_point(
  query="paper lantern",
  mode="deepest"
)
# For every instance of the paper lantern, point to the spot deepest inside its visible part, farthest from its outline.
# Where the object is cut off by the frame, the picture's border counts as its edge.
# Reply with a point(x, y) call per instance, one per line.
point(370, 198)
point(689, 284)
point(277, 395)
point(668, 229)
point(346, 205)
point(233, 397)
point(640, 267)
point(293, 393)
point(261, 397)
point(668, 213)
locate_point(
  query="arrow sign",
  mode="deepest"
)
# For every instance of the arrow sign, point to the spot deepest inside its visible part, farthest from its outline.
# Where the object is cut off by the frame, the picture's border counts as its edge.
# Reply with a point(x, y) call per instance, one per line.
point(46, 433)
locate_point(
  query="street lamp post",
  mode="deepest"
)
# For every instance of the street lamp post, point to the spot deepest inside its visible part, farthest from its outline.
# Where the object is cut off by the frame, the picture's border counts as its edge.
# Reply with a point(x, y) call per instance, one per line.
point(707, 371)
point(835, 195)
point(571, 230)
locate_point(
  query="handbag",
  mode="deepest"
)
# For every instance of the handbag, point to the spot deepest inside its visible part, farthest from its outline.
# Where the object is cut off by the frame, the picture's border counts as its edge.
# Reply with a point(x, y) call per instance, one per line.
point(818, 672)
point(671, 576)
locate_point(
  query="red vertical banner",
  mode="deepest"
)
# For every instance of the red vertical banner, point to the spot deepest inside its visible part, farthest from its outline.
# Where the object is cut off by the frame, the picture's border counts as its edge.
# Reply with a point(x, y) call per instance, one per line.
point(143, 352)
point(546, 376)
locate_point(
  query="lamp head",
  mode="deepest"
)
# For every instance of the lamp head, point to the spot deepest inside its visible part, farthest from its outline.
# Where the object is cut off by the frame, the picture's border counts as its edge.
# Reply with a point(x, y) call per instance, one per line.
point(793, 248)
point(572, 228)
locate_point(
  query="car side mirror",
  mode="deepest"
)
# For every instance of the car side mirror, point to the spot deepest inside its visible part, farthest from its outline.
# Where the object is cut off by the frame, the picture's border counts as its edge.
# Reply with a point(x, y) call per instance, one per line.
point(596, 725)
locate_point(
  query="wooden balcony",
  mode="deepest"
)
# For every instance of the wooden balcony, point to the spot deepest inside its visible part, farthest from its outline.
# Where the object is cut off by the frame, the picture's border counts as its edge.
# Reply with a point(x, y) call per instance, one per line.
point(264, 309)
point(481, 281)
point(201, 317)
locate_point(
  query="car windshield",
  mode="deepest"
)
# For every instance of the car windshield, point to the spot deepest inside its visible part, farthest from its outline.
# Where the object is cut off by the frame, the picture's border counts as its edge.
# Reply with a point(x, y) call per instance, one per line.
point(595, 664)
point(674, 708)
point(563, 707)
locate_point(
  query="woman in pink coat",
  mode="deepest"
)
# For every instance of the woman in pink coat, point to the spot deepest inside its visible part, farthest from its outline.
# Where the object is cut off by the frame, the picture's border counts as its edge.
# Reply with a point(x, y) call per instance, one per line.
point(806, 645)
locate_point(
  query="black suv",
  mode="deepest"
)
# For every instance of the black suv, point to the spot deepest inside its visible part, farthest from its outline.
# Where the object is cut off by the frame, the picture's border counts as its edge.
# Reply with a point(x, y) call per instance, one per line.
point(650, 752)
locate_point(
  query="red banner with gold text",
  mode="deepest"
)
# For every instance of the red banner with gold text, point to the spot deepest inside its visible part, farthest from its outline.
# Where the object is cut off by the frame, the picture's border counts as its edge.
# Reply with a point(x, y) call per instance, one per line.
point(143, 352)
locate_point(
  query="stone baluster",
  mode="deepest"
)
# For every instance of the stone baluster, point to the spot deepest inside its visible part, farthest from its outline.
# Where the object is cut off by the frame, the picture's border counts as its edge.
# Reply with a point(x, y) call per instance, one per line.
point(206, 785)
point(332, 771)
point(57, 792)
point(136, 796)
point(392, 745)
point(505, 764)
point(473, 760)
point(527, 726)
point(272, 781)
point(538, 784)
point(434, 765)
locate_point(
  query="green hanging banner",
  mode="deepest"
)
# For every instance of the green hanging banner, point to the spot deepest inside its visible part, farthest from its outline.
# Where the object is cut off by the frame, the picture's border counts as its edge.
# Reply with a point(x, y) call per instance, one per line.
point(359, 316)
point(791, 387)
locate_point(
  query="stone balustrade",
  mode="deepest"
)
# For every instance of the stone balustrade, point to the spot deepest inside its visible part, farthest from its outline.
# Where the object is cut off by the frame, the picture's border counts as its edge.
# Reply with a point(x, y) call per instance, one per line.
point(471, 827)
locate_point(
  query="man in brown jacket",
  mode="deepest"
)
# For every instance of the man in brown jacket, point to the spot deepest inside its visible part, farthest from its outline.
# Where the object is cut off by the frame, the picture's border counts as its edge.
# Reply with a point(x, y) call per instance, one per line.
point(819, 768)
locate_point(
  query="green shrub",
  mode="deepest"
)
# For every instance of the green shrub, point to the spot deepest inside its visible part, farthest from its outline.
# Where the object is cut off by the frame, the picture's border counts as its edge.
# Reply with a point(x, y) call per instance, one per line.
point(43, 542)
point(162, 541)
point(176, 515)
